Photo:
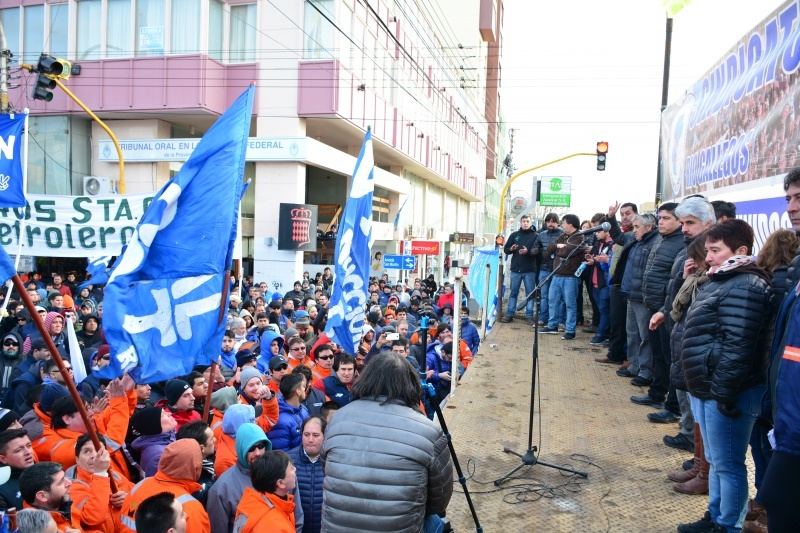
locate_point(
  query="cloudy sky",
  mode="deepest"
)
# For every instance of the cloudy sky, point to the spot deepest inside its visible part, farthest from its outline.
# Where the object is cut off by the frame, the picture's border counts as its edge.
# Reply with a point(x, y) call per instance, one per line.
point(579, 71)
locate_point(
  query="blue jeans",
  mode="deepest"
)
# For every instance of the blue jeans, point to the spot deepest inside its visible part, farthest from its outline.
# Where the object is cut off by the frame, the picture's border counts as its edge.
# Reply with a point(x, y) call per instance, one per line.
point(516, 280)
point(564, 292)
point(725, 441)
point(544, 308)
point(601, 296)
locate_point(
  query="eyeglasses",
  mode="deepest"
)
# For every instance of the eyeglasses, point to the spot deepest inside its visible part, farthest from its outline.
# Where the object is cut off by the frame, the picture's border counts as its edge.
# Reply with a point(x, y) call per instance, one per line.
point(9, 342)
point(56, 371)
point(22, 319)
point(325, 357)
point(106, 358)
point(299, 349)
point(257, 446)
point(282, 367)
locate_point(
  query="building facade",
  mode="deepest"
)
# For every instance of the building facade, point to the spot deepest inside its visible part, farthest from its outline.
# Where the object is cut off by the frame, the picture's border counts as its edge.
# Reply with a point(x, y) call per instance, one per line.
point(424, 76)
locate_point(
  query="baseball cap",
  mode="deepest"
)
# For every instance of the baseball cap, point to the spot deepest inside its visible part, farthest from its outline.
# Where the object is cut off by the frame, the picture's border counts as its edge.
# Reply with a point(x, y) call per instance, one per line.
point(276, 361)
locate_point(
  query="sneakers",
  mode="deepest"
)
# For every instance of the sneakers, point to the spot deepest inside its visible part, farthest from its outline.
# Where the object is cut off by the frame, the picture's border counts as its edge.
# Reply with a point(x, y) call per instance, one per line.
point(704, 525)
point(506, 319)
point(568, 336)
point(597, 341)
point(680, 442)
point(529, 321)
point(590, 329)
point(549, 331)
point(647, 400)
point(562, 327)
point(664, 416)
point(639, 381)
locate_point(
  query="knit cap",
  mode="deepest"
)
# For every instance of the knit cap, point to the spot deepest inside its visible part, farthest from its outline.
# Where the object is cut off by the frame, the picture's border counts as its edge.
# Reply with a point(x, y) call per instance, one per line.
point(174, 390)
point(147, 421)
point(248, 373)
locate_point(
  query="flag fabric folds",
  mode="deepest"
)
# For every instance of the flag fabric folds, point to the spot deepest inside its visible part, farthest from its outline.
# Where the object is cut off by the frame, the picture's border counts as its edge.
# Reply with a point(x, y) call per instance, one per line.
point(12, 187)
point(352, 258)
point(163, 297)
point(7, 269)
point(97, 270)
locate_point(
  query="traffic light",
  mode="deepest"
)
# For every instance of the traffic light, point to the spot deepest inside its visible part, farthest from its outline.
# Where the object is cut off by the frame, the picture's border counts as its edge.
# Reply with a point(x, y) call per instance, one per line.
point(602, 152)
point(48, 69)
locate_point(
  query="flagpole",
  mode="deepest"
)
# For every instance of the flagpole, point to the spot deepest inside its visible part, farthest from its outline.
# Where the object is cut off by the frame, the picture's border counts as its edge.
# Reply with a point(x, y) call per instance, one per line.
point(226, 280)
point(73, 391)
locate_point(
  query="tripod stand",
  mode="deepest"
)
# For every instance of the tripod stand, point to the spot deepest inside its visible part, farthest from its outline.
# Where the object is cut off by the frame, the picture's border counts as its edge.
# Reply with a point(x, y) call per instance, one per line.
point(530, 457)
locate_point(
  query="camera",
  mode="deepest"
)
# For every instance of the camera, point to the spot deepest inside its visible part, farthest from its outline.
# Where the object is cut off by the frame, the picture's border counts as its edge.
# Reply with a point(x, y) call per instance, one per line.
point(393, 336)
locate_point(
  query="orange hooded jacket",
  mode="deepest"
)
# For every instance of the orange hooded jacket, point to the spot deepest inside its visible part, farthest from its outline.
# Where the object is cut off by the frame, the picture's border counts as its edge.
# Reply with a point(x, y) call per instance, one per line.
point(90, 495)
point(264, 512)
point(180, 465)
point(61, 522)
point(226, 453)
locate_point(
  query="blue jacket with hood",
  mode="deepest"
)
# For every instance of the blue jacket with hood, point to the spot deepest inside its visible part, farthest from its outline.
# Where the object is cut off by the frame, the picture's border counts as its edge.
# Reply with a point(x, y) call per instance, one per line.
point(286, 433)
point(470, 335)
point(262, 363)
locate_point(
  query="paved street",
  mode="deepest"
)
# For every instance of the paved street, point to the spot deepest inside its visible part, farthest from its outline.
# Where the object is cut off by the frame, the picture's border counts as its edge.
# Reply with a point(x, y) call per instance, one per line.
point(587, 421)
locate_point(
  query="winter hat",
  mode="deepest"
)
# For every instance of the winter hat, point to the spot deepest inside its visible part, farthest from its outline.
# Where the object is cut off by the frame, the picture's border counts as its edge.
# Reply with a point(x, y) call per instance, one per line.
point(69, 303)
point(40, 308)
point(147, 421)
point(274, 305)
point(104, 349)
point(276, 296)
point(373, 317)
point(224, 398)
point(247, 374)
point(289, 333)
point(48, 319)
point(247, 436)
point(7, 417)
point(245, 356)
point(235, 416)
point(174, 390)
point(51, 392)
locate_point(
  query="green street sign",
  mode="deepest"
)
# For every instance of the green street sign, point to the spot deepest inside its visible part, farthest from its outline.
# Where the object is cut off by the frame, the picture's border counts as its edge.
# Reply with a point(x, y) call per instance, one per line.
point(556, 191)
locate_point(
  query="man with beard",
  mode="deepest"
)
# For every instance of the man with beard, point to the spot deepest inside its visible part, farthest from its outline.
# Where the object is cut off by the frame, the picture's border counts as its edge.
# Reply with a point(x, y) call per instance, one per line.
point(44, 486)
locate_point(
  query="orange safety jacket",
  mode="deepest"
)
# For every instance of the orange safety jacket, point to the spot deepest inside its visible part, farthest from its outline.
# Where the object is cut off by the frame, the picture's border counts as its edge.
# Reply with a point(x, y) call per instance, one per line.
point(90, 494)
point(61, 522)
point(264, 512)
point(196, 516)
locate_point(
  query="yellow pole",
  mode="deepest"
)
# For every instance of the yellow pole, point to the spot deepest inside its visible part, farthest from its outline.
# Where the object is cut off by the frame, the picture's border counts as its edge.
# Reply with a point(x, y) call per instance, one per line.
point(108, 130)
point(520, 173)
point(31, 68)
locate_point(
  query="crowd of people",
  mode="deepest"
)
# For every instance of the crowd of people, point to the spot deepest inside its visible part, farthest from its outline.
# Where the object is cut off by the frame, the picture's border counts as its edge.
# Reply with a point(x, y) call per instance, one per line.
point(300, 435)
point(685, 309)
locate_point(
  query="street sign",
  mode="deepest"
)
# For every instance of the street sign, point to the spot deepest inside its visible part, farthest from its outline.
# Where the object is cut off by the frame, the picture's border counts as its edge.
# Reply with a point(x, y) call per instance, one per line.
point(556, 191)
point(399, 262)
point(423, 248)
point(462, 238)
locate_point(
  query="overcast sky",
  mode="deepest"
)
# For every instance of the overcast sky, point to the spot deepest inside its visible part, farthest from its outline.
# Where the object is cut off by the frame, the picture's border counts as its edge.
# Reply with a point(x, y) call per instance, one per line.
point(580, 71)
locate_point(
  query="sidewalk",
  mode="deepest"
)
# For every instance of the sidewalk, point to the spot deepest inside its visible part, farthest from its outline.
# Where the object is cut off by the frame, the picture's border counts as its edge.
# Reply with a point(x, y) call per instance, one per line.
point(587, 421)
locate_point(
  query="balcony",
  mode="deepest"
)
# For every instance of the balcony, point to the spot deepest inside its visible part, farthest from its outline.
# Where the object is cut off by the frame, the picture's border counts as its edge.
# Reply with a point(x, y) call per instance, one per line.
point(185, 84)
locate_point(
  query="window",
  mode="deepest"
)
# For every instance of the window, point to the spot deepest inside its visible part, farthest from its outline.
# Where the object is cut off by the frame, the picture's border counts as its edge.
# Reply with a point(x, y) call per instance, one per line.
point(34, 33)
point(9, 18)
point(243, 33)
point(53, 152)
point(58, 30)
point(216, 29)
point(319, 32)
point(118, 33)
point(150, 21)
point(380, 205)
point(184, 27)
point(89, 21)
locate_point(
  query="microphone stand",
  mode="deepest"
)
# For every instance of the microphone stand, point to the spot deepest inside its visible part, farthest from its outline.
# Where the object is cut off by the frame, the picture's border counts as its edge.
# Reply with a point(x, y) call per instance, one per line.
point(530, 457)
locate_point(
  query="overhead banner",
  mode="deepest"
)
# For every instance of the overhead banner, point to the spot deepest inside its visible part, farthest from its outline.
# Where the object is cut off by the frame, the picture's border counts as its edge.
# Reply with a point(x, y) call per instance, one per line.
point(154, 150)
point(738, 127)
point(73, 226)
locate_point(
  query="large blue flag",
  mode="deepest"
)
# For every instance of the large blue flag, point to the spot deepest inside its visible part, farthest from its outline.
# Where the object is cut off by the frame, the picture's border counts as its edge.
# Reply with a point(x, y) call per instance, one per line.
point(12, 193)
point(351, 269)
point(162, 301)
point(7, 269)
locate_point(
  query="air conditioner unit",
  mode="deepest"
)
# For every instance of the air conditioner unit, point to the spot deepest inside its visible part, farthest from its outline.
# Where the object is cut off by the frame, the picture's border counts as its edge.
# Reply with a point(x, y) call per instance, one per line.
point(431, 233)
point(96, 185)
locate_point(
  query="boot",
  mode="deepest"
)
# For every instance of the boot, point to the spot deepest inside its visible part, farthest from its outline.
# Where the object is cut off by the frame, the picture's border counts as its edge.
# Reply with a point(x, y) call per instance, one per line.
point(698, 484)
point(759, 525)
point(754, 510)
point(685, 475)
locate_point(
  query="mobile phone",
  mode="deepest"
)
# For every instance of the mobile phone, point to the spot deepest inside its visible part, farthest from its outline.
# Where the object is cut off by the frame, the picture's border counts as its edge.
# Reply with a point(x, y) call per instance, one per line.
point(393, 337)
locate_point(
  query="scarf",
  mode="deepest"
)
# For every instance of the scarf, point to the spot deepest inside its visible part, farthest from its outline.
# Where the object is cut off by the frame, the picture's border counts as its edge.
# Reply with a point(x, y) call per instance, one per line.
point(685, 295)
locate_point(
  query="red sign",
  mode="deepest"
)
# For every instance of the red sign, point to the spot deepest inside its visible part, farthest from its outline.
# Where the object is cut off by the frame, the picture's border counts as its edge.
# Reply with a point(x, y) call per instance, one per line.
point(423, 248)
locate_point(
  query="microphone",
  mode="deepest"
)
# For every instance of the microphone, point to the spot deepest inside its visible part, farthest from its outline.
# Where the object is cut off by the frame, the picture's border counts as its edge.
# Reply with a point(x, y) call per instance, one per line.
point(605, 226)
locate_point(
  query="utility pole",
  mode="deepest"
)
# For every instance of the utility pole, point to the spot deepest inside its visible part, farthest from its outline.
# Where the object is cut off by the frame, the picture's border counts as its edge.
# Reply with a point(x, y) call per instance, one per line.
point(5, 54)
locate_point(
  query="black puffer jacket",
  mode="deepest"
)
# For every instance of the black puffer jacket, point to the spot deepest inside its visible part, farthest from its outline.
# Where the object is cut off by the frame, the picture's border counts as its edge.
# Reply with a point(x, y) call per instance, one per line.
point(675, 329)
point(638, 262)
point(658, 270)
point(527, 239)
point(728, 332)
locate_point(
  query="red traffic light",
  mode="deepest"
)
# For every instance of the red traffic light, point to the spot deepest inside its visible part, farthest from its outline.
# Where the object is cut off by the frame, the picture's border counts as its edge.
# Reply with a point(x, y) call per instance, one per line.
point(602, 147)
point(602, 150)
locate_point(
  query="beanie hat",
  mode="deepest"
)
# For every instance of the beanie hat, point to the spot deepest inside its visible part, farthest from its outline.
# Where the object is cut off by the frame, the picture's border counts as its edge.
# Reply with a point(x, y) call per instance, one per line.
point(7, 417)
point(247, 374)
point(224, 398)
point(289, 333)
point(147, 421)
point(51, 392)
point(69, 303)
point(174, 390)
point(235, 416)
point(373, 317)
point(104, 349)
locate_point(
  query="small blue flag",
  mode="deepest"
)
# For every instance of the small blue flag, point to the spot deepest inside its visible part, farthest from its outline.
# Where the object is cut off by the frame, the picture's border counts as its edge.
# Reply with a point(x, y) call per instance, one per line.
point(352, 260)
point(163, 297)
point(7, 269)
point(12, 193)
point(98, 270)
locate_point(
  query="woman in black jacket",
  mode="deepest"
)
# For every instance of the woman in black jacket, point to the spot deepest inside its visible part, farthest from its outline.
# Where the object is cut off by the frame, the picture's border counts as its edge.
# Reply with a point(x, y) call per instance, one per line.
point(724, 357)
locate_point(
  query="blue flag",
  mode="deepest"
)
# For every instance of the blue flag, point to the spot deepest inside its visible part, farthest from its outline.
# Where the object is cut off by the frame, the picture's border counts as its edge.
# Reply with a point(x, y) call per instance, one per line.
point(7, 269)
point(163, 297)
point(98, 270)
point(351, 269)
point(12, 193)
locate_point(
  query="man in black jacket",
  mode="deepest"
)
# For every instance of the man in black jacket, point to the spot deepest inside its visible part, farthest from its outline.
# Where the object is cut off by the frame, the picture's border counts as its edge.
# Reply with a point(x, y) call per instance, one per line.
point(548, 235)
point(523, 247)
point(654, 289)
